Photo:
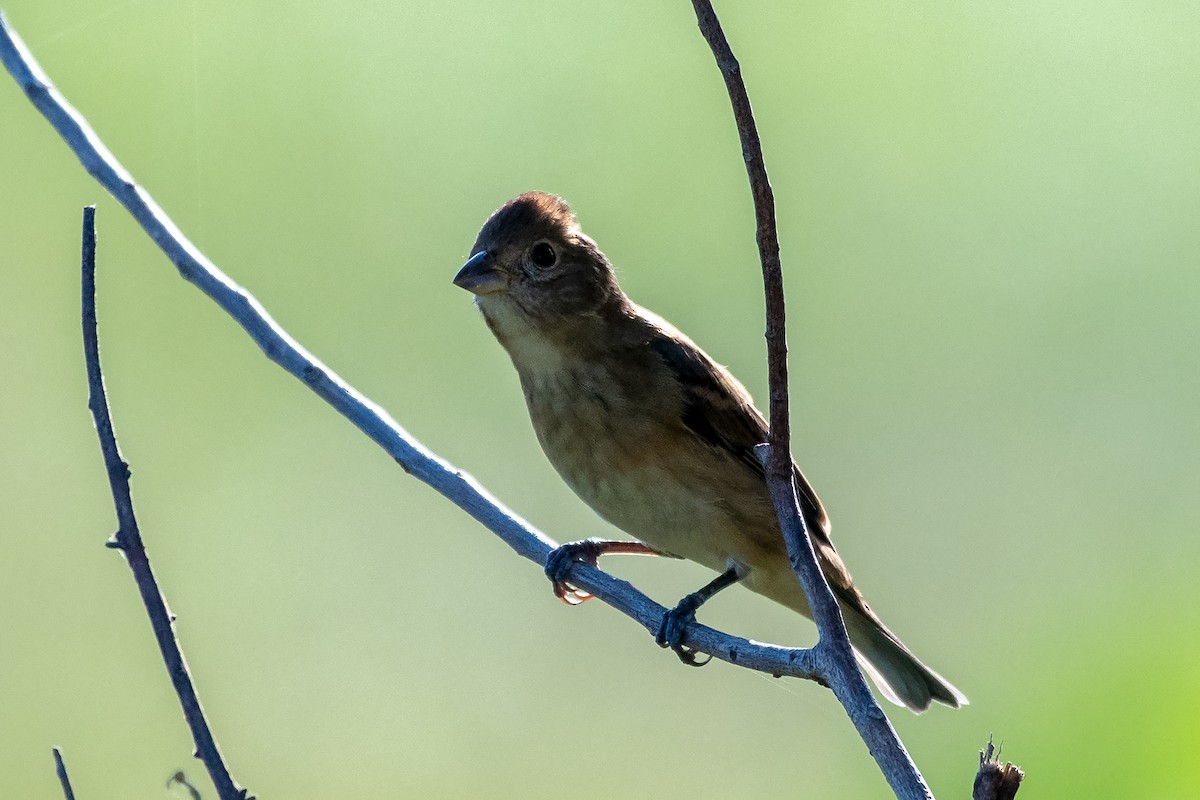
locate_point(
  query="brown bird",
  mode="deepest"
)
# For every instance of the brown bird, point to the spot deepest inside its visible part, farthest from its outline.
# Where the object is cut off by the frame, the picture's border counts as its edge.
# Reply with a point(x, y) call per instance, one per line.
point(653, 434)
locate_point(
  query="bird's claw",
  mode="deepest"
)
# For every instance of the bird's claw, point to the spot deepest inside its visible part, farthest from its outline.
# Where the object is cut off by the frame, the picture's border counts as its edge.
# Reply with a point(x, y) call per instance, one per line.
point(674, 625)
point(558, 565)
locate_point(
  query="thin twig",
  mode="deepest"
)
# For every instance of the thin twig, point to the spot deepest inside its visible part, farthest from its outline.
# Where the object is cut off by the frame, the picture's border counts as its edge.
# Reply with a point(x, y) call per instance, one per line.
point(61, 769)
point(180, 779)
point(454, 484)
point(129, 540)
point(833, 656)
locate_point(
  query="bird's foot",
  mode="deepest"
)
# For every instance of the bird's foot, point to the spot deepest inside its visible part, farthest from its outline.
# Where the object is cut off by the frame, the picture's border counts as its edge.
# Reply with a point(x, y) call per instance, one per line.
point(559, 562)
point(674, 625)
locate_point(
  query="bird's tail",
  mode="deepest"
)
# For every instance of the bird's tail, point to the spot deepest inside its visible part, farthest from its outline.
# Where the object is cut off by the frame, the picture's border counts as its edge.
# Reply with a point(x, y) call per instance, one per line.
point(900, 675)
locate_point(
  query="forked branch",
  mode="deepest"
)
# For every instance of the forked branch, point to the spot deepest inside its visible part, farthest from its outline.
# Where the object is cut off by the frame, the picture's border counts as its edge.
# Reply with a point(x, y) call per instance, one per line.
point(833, 658)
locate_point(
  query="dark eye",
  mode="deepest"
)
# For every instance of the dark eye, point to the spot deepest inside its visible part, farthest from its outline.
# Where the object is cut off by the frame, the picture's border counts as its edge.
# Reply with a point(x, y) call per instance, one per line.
point(543, 255)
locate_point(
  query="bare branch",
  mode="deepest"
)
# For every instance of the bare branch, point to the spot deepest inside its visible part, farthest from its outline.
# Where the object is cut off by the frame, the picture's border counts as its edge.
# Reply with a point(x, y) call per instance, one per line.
point(60, 769)
point(833, 656)
point(454, 484)
point(129, 540)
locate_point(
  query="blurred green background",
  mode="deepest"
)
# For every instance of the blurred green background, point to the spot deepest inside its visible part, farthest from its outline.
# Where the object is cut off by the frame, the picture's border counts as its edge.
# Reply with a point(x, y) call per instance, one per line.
point(989, 221)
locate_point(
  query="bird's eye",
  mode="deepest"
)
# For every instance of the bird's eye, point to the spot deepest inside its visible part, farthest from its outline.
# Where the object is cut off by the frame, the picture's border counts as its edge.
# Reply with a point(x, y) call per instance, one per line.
point(543, 255)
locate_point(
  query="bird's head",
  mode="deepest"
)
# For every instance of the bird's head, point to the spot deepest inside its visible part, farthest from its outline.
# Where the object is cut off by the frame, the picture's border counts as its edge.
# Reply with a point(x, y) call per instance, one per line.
point(532, 266)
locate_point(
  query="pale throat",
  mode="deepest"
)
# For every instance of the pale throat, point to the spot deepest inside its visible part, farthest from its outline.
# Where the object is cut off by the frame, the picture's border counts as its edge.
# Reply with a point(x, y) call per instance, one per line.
point(529, 347)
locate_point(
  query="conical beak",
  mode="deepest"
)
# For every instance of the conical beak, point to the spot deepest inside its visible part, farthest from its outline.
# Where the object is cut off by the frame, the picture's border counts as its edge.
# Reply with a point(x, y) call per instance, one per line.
point(481, 276)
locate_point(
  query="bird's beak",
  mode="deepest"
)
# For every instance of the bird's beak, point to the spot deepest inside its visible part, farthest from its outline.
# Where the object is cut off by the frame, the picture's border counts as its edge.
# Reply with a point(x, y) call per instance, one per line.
point(480, 275)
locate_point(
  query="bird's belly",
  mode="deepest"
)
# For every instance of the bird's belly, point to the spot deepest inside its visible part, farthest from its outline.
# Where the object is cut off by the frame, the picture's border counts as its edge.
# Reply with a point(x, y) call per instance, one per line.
point(650, 504)
point(640, 477)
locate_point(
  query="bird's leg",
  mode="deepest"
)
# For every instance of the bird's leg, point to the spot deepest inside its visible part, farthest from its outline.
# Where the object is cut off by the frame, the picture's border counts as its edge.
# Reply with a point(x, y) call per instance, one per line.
point(675, 621)
point(587, 551)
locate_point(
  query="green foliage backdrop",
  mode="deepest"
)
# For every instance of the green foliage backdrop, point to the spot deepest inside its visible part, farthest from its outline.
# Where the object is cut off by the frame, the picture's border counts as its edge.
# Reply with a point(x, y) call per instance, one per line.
point(988, 214)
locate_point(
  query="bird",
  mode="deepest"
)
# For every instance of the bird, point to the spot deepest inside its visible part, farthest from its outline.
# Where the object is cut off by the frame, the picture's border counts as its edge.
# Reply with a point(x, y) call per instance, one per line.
point(654, 435)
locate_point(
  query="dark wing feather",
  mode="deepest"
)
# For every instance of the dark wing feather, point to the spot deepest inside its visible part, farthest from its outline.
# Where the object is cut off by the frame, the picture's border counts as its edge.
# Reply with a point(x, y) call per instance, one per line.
point(720, 412)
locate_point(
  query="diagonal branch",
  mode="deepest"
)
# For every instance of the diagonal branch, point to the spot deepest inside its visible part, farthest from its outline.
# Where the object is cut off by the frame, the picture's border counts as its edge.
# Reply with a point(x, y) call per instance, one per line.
point(452, 483)
point(60, 768)
point(129, 540)
point(833, 656)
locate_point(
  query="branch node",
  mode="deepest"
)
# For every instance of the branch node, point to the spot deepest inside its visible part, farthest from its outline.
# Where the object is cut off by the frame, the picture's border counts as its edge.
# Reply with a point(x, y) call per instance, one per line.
point(37, 92)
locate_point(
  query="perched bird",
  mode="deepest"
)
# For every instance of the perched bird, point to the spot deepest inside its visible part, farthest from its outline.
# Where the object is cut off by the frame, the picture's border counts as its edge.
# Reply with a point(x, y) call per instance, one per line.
point(653, 434)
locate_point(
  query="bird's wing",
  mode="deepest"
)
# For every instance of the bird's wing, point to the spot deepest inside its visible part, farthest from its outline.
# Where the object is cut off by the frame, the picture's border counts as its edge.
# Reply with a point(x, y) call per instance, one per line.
point(719, 411)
